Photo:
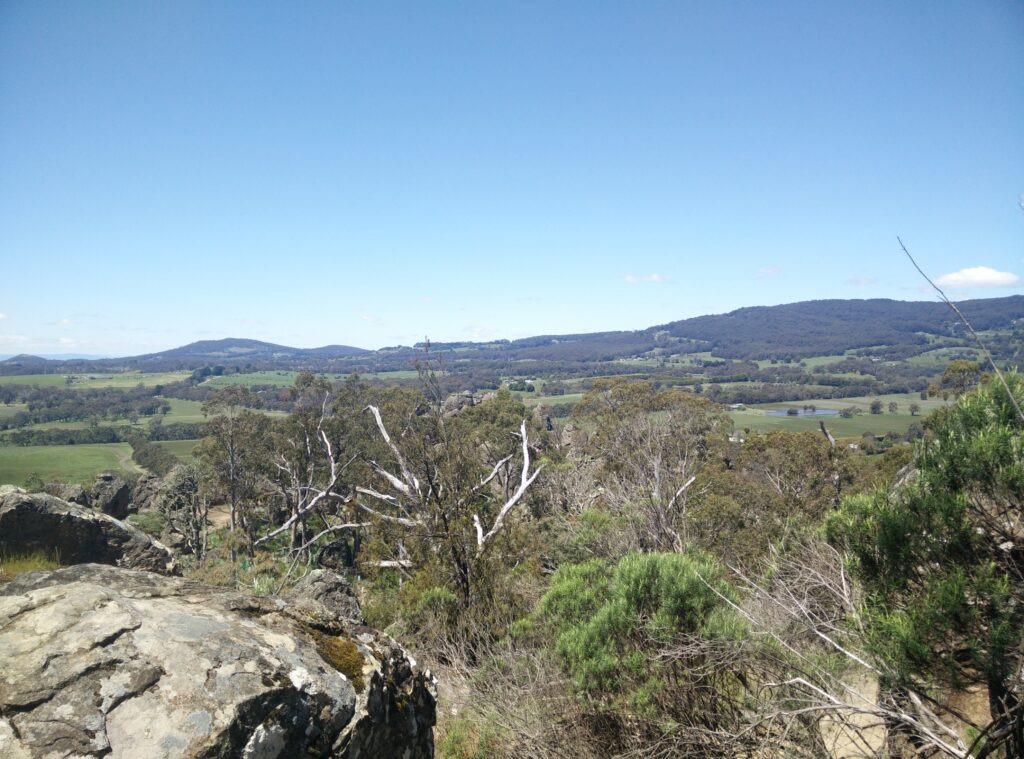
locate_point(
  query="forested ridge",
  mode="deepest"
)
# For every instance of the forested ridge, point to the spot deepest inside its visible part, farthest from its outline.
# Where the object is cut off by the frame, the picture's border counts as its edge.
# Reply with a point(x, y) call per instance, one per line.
point(786, 332)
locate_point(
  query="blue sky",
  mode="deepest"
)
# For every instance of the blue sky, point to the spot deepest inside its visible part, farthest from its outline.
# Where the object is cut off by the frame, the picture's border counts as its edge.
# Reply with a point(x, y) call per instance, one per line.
point(373, 173)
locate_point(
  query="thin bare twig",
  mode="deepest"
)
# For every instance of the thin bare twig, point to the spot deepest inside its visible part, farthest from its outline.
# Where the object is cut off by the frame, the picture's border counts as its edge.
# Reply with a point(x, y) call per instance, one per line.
point(977, 338)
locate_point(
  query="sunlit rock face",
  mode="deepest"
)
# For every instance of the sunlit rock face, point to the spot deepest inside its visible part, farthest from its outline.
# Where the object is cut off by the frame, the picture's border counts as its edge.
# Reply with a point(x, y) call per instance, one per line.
point(98, 660)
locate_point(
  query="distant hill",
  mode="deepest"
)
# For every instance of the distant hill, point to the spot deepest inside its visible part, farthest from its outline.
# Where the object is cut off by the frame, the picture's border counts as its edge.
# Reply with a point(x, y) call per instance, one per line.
point(823, 327)
point(24, 358)
point(233, 350)
point(792, 331)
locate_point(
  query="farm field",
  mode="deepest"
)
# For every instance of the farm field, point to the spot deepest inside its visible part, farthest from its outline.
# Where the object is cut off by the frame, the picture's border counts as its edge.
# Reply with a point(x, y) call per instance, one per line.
point(183, 449)
point(182, 411)
point(754, 418)
point(287, 378)
point(7, 411)
point(83, 381)
point(63, 463)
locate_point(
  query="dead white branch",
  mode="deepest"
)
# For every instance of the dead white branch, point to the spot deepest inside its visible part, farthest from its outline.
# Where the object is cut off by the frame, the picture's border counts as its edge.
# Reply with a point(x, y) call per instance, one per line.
point(525, 481)
point(408, 483)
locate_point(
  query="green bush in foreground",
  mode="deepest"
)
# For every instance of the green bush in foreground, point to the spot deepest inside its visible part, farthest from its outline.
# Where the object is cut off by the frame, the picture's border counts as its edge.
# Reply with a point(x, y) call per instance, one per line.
point(608, 622)
point(941, 560)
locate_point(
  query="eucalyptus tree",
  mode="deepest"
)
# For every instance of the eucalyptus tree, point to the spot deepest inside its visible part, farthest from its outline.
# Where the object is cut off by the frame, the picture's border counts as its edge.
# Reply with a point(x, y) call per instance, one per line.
point(233, 455)
point(651, 446)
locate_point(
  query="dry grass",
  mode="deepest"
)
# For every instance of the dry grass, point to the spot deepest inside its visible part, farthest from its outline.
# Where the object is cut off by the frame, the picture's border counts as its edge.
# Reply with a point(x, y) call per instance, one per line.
point(14, 565)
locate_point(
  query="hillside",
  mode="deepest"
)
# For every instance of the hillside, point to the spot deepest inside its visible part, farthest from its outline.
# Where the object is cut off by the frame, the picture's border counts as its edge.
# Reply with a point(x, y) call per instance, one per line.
point(890, 328)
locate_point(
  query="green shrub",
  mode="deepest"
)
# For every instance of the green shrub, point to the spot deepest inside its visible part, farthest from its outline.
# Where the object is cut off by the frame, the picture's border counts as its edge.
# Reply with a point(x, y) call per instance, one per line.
point(607, 622)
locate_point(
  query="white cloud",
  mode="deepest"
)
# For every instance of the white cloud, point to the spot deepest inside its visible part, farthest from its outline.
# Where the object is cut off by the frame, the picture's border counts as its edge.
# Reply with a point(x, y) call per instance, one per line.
point(14, 339)
point(634, 278)
point(64, 322)
point(67, 342)
point(2, 316)
point(860, 281)
point(370, 318)
point(768, 272)
point(477, 332)
point(977, 276)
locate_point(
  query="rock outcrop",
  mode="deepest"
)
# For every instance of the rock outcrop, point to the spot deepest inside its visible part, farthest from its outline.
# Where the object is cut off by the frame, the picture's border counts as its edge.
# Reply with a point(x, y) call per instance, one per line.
point(333, 591)
point(102, 661)
point(111, 495)
point(70, 493)
point(75, 534)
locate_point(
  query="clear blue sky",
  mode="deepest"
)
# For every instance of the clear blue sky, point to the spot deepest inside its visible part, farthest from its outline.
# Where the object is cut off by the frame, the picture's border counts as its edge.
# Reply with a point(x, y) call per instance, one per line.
point(373, 173)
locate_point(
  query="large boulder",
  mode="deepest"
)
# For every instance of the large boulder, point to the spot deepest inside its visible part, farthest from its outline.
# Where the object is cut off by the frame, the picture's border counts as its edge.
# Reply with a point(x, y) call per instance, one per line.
point(74, 534)
point(103, 661)
point(71, 493)
point(111, 495)
point(333, 591)
point(147, 493)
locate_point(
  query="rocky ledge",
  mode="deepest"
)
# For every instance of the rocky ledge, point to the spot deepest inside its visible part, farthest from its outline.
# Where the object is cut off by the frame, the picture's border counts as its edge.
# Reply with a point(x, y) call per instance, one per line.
point(98, 660)
point(76, 534)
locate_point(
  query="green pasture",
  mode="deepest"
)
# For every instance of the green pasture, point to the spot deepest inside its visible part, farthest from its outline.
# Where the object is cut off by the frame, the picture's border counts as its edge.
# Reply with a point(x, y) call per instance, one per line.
point(287, 379)
point(248, 379)
point(183, 449)
point(754, 418)
point(941, 357)
point(64, 463)
point(182, 412)
point(532, 400)
point(83, 381)
point(6, 412)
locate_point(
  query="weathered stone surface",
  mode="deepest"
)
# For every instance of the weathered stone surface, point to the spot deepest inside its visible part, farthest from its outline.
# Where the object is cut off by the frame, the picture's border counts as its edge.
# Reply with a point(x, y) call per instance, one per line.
point(76, 534)
point(101, 661)
point(333, 591)
point(111, 495)
point(454, 403)
point(70, 493)
point(395, 714)
point(147, 492)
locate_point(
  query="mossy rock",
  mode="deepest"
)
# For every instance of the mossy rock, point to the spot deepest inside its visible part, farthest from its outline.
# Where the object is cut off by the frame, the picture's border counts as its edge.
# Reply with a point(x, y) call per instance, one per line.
point(343, 654)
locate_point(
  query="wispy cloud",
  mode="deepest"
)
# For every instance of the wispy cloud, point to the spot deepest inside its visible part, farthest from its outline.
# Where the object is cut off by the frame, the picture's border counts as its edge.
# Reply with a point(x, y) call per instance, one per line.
point(372, 319)
point(477, 332)
point(426, 299)
point(14, 340)
point(977, 276)
point(635, 278)
point(2, 316)
point(860, 281)
point(768, 272)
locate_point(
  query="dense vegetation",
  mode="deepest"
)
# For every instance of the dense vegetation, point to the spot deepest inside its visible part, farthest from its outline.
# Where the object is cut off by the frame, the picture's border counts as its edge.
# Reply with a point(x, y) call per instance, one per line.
point(636, 583)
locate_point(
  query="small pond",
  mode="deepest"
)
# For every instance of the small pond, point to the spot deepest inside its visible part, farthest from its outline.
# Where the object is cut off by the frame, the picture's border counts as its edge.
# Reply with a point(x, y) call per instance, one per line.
point(803, 412)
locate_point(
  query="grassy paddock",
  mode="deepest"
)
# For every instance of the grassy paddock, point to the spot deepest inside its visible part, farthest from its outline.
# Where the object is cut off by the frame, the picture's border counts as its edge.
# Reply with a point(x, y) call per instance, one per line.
point(82, 381)
point(6, 412)
point(753, 417)
point(183, 449)
point(64, 463)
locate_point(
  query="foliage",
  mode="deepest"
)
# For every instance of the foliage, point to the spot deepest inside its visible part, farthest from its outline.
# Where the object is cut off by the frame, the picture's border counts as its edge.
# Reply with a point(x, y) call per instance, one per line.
point(651, 444)
point(940, 557)
point(606, 621)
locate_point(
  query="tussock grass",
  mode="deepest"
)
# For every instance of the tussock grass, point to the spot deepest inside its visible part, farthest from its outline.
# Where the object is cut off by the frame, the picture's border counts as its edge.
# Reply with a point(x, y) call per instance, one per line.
point(16, 564)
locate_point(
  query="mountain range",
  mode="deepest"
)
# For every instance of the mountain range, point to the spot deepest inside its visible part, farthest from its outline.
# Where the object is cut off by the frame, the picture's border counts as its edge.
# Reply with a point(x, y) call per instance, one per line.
point(787, 332)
